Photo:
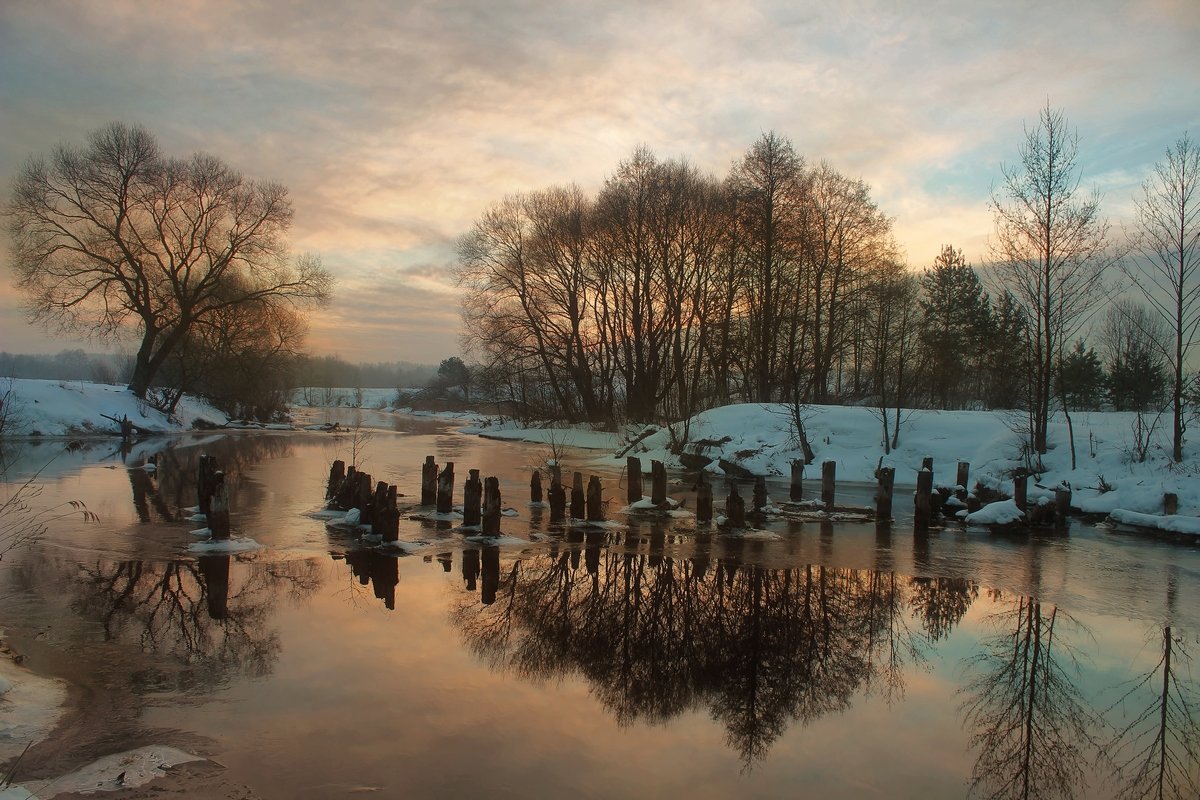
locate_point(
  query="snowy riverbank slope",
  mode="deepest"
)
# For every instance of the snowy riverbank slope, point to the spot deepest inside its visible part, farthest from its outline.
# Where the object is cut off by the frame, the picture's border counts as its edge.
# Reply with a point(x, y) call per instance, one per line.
point(760, 439)
point(82, 408)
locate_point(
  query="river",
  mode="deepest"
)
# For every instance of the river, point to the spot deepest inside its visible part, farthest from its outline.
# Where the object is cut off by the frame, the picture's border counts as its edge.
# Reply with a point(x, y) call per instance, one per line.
point(650, 658)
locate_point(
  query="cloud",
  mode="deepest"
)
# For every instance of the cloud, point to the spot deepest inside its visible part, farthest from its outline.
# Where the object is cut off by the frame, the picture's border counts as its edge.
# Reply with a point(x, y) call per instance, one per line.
point(396, 124)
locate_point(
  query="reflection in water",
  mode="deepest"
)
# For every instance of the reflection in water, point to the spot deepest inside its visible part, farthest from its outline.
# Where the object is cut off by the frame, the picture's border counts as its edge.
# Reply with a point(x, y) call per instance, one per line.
point(1023, 706)
point(197, 630)
point(380, 570)
point(1156, 749)
point(657, 636)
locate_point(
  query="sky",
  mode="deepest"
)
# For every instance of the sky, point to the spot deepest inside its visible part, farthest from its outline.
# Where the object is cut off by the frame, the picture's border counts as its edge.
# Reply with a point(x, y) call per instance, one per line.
point(396, 124)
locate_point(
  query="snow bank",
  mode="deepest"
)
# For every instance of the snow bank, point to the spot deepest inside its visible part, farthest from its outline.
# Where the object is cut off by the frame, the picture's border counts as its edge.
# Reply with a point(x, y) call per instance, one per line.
point(579, 436)
point(1004, 512)
point(109, 774)
point(760, 439)
point(1173, 523)
point(80, 408)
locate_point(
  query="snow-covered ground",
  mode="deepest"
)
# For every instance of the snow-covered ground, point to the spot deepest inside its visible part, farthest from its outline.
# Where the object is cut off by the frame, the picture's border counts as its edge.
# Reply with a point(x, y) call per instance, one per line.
point(760, 439)
point(82, 408)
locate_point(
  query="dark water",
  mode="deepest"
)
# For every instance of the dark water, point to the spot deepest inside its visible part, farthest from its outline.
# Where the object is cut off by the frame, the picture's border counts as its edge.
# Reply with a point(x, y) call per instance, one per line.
point(650, 660)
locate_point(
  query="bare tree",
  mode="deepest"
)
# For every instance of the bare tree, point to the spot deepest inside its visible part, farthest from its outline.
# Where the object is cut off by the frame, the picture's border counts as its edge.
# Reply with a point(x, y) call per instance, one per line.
point(1167, 237)
point(115, 234)
point(1050, 250)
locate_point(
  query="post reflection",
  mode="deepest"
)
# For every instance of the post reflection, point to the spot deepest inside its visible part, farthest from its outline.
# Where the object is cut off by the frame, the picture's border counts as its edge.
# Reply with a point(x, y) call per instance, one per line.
point(655, 635)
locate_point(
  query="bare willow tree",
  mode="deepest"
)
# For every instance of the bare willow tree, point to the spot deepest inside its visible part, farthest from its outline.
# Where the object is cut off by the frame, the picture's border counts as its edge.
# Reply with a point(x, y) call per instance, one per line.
point(115, 234)
point(1167, 237)
point(1050, 250)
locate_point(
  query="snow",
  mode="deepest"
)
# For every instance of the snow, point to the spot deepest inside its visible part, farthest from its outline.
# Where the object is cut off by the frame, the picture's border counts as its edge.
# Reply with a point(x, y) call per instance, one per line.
point(237, 545)
point(1003, 512)
point(79, 408)
point(1173, 523)
point(579, 436)
point(112, 773)
point(30, 707)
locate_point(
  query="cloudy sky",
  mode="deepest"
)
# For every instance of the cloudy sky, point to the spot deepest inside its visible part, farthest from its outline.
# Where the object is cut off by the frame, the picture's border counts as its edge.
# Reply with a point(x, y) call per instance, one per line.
point(394, 124)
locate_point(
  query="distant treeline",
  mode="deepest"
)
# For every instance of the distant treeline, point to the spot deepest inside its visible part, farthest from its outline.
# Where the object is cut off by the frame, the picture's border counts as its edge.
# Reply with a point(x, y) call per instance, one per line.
point(116, 368)
point(68, 365)
point(335, 371)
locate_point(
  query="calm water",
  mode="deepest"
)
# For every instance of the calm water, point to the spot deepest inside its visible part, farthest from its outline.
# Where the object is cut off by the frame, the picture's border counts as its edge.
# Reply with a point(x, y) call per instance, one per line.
point(648, 660)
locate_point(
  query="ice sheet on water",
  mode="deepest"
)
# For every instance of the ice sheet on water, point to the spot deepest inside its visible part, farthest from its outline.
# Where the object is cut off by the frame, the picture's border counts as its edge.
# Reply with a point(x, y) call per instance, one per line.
point(239, 545)
point(126, 770)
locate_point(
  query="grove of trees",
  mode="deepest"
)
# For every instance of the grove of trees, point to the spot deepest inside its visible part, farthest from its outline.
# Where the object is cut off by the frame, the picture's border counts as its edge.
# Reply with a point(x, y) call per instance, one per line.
point(116, 237)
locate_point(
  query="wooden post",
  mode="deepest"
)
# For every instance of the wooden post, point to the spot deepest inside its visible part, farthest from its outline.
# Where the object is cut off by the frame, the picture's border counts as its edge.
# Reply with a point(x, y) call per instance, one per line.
point(555, 474)
point(633, 470)
point(922, 511)
point(218, 516)
point(961, 478)
point(378, 507)
point(391, 516)
point(735, 507)
point(595, 508)
point(1021, 489)
point(658, 486)
point(828, 481)
point(760, 495)
point(337, 474)
point(704, 499)
point(1170, 504)
point(558, 499)
point(364, 498)
point(796, 492)
point(445, 489)
point(472, 498)
point(577, 498)
point(491, 507)
point(535, 487)
point(1062, 505)
point(206, 482)
point(429, 472)
point(883, 494)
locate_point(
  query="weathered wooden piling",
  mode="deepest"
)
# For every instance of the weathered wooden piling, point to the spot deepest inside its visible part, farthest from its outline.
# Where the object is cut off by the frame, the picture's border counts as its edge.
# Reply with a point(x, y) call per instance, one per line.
point(445, 489)
point(633, 470)
point(390, 516)
point(343, 496)
point(364, 499)
point(796, 491)
point(577, 497)
point(558, 499)
point(1170, 503)
point(491, 506)
point(760, 495)
point(378, 504)
point(206, 482)
point(828, 482)
point(735, 507)
point(337, 474)
point(555, 473)
point(429, 481)
point(960, 478)
point(922, 510)
point(218, 512)
point(472, 498)
point(535, 487)
point(704, 500)
point(1021, 490)
point(1062, 505)
point(886, 481)
point(658, 485)
point(595, 505)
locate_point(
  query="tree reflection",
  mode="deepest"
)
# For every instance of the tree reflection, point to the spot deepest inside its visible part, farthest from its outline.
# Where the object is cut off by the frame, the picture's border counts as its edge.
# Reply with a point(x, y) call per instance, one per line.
point(1156, 751)
point(656, 636)
point(190, 616)
point(1026, 715)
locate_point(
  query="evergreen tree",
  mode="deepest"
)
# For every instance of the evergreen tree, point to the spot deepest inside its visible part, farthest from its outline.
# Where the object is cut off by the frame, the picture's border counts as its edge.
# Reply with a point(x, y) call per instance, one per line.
point(1082, 378)
point(956, 315)
point(1007, 362)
